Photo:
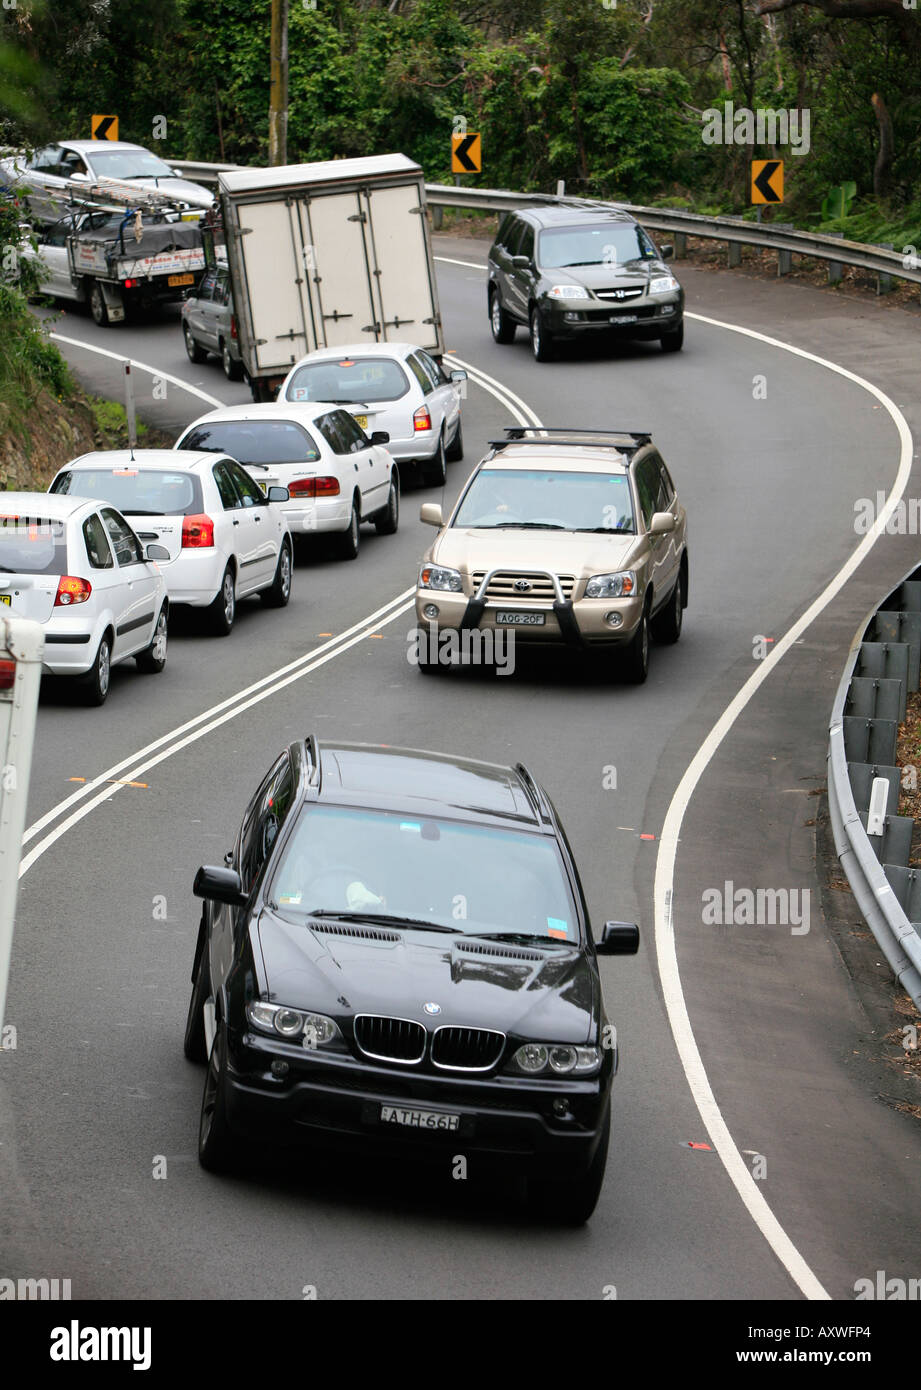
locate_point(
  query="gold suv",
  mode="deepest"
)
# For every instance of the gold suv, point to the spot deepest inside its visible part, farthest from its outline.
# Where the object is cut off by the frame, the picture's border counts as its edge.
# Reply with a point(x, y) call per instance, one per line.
point(563, 536)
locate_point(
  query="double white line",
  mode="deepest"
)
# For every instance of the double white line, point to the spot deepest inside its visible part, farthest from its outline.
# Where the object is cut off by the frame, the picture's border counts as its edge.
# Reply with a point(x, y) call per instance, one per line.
point(130, 769)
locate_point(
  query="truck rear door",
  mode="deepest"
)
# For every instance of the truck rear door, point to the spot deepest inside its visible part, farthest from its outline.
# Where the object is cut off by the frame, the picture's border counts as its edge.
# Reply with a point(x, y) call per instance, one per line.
point(399, 246)
point(271, 249)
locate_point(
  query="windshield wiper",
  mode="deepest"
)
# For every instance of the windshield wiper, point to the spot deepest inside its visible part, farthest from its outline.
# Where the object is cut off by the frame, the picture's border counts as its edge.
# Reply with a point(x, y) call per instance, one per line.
point(526, 526)
point(522, 937)
point(567, 264)
point(606, 530)
point(384, 919)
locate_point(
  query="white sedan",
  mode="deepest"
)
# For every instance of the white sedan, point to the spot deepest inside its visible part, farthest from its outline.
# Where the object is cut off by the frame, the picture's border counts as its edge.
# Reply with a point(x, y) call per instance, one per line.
point(394, 387)
point(335, 475)
point(76, 567)
point(224, 538)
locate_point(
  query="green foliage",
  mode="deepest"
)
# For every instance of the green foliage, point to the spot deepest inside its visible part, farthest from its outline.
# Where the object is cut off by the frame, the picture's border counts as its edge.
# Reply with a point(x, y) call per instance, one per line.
point(838, 201)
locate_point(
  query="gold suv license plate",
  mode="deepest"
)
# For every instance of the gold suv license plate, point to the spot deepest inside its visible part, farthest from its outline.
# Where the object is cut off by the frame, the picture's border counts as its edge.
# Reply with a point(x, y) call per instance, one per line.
point(181, 280)
point(362, 421)
point(418, 1119)
point(7, 599)
point(513, 619)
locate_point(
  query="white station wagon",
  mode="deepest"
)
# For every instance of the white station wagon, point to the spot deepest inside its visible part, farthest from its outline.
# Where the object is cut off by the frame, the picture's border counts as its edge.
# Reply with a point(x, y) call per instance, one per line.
point(395, 387)
point(77, 567)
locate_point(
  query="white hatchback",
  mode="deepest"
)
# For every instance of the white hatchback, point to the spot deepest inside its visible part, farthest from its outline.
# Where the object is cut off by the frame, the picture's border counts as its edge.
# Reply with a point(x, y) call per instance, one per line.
point(76, 567)
point(224, 537)
point(394, 387)
point(335, 475)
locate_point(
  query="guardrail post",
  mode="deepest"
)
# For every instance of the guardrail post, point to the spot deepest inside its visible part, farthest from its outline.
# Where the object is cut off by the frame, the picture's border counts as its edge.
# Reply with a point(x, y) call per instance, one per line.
point(784, 258)
point(734, 249)
point(438, 216)
point(834, 267)
point(883, 278)
point(681, 245)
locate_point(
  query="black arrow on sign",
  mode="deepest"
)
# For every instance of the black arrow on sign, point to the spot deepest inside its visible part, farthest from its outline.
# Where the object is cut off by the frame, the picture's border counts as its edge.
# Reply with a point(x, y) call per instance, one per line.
point(763, 181)
point(462, 156)
point(102, 129)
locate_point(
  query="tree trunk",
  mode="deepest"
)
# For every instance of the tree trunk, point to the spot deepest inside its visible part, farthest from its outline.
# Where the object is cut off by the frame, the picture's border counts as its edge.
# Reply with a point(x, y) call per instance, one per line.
point(278, 84)
point(884, 155)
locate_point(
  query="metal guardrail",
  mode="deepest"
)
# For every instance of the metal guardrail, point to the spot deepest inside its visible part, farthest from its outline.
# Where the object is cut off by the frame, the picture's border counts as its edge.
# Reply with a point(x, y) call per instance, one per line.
point(876, 884)
point(735, 231)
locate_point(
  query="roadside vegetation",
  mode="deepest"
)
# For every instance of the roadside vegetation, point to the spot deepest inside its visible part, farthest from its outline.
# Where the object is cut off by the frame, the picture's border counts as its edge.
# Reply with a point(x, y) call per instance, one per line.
point(606, 95)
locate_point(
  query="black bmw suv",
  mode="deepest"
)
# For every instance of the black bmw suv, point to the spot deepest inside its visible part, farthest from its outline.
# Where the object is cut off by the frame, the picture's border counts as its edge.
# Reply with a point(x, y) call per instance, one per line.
point(563, 272)
point(331, 1006)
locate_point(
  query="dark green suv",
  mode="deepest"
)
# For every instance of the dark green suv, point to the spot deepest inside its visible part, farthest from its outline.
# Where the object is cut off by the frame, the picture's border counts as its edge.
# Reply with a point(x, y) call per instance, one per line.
point(565, 271)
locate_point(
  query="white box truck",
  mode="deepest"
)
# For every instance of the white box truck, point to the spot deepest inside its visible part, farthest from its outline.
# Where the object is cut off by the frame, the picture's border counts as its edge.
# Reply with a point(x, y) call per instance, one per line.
point(327, 253)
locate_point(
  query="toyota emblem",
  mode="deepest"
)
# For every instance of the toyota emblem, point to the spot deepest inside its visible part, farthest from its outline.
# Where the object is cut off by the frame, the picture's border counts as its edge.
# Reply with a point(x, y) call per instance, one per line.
point(523, 586)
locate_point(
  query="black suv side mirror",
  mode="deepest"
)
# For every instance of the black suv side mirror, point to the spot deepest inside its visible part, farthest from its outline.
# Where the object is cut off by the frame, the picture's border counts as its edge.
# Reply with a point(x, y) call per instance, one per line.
point(619, 939)
point(219, 885)
point(667, 250)
point(521, 262)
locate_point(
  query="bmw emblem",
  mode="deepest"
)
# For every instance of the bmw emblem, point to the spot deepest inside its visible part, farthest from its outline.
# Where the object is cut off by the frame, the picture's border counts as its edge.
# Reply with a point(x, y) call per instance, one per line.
point(431, 1008)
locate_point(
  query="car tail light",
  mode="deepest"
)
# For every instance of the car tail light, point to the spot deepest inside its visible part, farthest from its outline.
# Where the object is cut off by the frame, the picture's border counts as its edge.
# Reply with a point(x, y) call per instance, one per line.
point(422, 420)
point(327, 487)
point(302, 487)
point(131, 284)
point(233, 327)
point(7, 674)
point(72, 590)
point(197, 532)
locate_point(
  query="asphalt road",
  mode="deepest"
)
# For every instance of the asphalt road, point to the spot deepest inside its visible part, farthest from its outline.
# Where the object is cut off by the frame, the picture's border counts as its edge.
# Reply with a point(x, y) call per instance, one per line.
point(97, 1089)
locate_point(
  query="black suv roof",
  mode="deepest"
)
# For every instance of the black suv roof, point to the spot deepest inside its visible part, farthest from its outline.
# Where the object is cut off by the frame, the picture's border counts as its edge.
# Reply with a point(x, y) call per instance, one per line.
point(414, 780)
point(559, 215)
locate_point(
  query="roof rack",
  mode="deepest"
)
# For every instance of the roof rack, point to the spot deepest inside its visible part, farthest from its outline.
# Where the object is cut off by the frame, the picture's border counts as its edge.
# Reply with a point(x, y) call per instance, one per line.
point(314, 767)
point(516, 433)
point(535, 795)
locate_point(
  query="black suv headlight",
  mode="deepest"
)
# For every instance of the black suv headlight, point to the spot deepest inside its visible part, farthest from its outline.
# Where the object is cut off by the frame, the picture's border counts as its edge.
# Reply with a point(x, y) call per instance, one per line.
point(556, 1059)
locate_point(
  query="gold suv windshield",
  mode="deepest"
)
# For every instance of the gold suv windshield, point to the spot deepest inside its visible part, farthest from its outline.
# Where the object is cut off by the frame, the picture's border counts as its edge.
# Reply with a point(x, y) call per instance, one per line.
point(544, 499)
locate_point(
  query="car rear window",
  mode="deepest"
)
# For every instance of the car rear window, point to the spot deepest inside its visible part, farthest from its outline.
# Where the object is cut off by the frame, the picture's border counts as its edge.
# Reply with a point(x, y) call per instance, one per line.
point(350, 381)
point(135, 491)
point(32, 545)
point(254, 441)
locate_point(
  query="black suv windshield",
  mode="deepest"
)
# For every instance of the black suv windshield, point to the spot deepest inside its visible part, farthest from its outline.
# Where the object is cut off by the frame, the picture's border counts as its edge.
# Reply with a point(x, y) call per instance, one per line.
point(472, 879)
point(610, 243)
point(549, 499)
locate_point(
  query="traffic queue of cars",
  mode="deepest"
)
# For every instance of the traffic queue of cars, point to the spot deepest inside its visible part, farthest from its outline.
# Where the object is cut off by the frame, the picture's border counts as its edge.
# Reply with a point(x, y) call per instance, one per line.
point(126, 534)
point(498, 1040)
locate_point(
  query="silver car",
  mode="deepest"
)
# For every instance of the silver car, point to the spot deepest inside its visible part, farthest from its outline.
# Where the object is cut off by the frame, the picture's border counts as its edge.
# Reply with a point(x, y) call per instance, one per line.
point(43, 174)
point(209, 324)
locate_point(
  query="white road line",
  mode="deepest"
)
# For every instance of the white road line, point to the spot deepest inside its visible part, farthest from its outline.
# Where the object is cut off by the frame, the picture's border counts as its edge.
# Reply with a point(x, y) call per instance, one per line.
point(141, 366)
point(519, 408)
point(666, 951)
point(177, 745)
point(471, 265)
point(375, 619)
